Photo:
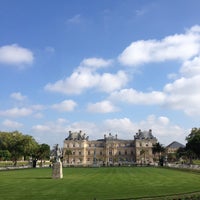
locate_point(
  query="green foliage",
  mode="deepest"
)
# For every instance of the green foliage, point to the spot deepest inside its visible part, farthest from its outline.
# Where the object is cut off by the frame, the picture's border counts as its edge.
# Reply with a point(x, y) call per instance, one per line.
point(100, 183)
point(4, 155)
point(19, 145)
point(193, 142)
point(158, 148)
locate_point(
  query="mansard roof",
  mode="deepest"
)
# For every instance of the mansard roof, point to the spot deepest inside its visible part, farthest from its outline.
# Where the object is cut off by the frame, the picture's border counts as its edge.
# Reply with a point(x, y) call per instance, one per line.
point(77, 136)
point(144, 135)
point(175, 145)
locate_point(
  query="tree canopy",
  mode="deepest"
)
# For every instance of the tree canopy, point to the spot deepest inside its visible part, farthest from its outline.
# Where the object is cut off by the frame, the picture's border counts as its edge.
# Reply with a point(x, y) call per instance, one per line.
point(18, 145)
point(193, 142)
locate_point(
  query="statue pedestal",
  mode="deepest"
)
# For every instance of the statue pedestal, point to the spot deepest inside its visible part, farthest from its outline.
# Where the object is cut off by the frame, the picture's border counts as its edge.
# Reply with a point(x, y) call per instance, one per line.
point(57, 170)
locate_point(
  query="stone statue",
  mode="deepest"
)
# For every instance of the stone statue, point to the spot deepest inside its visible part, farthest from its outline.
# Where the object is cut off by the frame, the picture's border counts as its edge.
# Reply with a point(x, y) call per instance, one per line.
point(57, 172)
point(57, 153)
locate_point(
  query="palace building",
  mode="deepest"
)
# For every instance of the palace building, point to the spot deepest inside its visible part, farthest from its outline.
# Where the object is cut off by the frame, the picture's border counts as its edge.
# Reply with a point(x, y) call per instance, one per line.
point(79, 150)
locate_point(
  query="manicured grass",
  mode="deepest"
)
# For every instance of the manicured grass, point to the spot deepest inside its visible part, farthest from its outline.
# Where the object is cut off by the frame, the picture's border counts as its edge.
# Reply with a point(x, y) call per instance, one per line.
point(96, 183)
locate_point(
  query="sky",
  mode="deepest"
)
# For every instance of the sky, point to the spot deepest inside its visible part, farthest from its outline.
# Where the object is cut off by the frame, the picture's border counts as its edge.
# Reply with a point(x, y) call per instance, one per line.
point(100, 66)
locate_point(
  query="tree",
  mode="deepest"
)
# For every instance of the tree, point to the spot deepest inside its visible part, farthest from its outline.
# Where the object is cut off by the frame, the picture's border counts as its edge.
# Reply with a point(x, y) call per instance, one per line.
point(193, 142)
point(43, 152)
point(17, 144)
point(4, 155)
point(159, 149)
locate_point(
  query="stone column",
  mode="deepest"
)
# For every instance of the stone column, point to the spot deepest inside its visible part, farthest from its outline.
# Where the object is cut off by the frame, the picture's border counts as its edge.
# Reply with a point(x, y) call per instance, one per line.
point(57, 170)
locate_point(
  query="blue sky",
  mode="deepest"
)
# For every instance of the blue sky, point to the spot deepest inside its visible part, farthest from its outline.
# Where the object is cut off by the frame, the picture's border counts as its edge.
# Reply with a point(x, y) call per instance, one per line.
point(100, 66)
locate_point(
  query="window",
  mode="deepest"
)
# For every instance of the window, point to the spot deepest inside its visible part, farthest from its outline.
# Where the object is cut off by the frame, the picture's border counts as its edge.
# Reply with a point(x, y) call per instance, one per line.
point(101, 153)
point(73, 152)
point(73, 145)
point(125, 152)
point(79, 152)
point(110, 152)
point(88, 152)
point(119, 152)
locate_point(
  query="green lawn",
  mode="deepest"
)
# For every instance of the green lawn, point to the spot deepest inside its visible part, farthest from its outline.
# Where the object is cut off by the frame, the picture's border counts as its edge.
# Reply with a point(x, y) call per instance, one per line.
point(99, 183)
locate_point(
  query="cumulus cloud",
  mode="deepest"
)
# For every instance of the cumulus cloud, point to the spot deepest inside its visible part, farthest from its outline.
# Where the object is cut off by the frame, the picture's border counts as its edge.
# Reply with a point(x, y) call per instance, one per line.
point(183, 94)
point(122, 126)
point(125, 128)
point(11, 124)
point(18, 96)
point(87, 77)
point(59, 129)
point(191, 67)
point(175, 47)
point(15, 55)
point(65, 106)
point(95, 63)
point(140, 98)
point(21, 111)
point(16, 112)
point(161, 126)
point(102, 107)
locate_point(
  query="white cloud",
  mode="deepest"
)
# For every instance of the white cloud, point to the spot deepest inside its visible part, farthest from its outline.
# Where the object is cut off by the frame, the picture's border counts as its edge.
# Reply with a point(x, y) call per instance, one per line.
point(86, 77)
point(125, 128)
point(16, 112)
point(102, 107)
point(65, 106)
point(183, 94)
point(11, 124)
point(140, 98)
point(95, 63)
point(15, 55)
point(41, 128)
point(191, 67)
point(175, 47)
point(162, 128)
point(111, 82)
point(58, 130)
point(122, 126)
point(18, 96)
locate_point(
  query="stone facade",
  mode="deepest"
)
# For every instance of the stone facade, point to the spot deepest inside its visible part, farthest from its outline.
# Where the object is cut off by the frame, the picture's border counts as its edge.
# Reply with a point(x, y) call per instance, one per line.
point(79, 150)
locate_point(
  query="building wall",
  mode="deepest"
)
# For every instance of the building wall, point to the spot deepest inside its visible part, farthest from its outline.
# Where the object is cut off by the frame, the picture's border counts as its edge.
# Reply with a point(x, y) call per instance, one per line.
point(107, 151)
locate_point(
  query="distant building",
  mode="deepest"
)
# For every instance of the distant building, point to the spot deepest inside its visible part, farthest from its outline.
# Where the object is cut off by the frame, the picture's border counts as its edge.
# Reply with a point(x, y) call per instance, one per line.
point(173, 147)
point(79, 150)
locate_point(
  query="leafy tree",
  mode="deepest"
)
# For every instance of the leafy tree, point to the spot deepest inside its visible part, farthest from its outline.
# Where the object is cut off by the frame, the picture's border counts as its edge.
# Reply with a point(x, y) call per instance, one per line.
point(158, 149)
point(193, 142)
point(4, 155)
point(41, 153)
point(17, 144)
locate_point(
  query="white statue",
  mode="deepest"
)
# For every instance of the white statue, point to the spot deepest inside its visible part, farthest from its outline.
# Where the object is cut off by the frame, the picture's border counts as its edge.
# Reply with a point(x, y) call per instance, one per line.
point(57, 153)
